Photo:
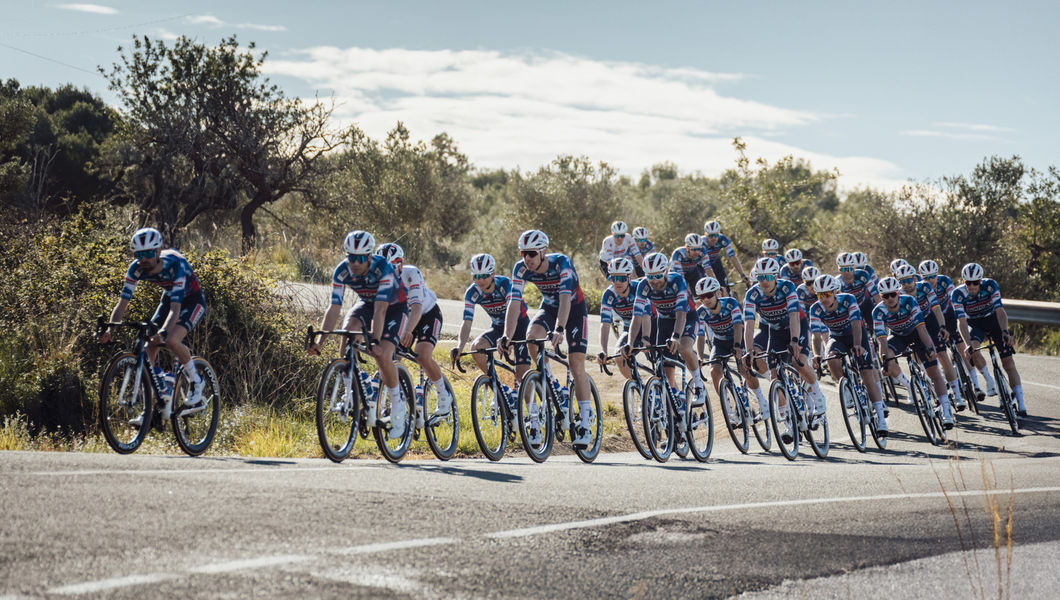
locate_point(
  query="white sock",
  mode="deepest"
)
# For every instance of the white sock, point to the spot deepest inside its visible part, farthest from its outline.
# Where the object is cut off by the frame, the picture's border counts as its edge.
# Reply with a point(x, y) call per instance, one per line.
point(761, 398)
point(879, 409)
point(986, 376)
point(697, 379)
point(584, 410)
point(395, 399)
point(974, 375)
point(439, 386)
point(191, 371)
point(902, 380)
point(955, 389)
point(1017, 391)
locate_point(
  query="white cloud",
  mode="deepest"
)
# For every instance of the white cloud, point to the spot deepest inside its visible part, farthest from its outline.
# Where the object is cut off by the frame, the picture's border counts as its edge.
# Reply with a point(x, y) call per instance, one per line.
point(522, 110)
point(949, 135)
point(167, 35)
point(214, 22)
point(974, 127)
point(98, 9)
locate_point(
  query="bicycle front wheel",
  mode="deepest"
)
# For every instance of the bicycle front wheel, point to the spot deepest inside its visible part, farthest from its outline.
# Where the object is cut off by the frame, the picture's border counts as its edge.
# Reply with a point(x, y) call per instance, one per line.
point(394, 448)
point(337, 414)
point(195, 425)
point(125, 407)
point(787, 423)
point(921, 401)
point(737, 421)
point(1008, 403)
point(443, 432)
point(658, 419)
point(536, 425)
point(594, 422)
point(852, 414)
point(700, 423)
point(487, 418)
point(965, 381)
point(631, 394)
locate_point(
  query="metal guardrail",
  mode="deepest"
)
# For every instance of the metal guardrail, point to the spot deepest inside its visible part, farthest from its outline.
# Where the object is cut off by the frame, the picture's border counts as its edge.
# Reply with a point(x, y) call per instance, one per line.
point(1033, 311)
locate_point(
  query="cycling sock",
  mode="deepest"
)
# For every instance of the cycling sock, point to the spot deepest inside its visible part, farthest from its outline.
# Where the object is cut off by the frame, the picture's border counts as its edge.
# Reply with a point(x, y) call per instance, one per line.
point(974, 376)
point(584, 413)
point(191, 371)
point(395, 397)
point(955, 389)
point(986, 376)
point(1017, 391)
point(697, 379)
point(879, 408)
point(903, 380)
point(761, 398)
point(439, 386)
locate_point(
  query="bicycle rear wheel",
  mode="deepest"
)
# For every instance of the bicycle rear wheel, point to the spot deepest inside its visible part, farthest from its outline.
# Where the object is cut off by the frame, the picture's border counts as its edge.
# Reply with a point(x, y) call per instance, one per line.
point(394, 449)
point(852, 414)
point(443, 433)
point(535, 413)
point(761, 426)
point(595, 424)
point(195, 426)
point(658, 419)
point(120, 405)
point(777, 394)
point(965, 381)
point(918, 395)
point(737, 421)
point(631, 398)
point(700, 424)
point(487, 418)
point(1008, 403)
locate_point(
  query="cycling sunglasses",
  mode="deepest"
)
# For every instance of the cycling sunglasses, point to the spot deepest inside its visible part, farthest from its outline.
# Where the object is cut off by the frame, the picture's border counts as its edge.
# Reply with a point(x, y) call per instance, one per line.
point(767, 277)
point(145, 253)
point(483, 275)
point(357, 258)
point(640, 240)
point(770, 254)
point(825, 294)
point(620, 278)
point(529, 253)
point(846, 269)
point(890, 295)
point(656, 276)
point(974, 282)
point(619, 236)
point(906, 280)
point(706, 296)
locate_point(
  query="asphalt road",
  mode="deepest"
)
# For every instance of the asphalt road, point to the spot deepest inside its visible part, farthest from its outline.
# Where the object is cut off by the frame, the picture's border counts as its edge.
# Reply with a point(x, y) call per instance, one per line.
point(913, 520)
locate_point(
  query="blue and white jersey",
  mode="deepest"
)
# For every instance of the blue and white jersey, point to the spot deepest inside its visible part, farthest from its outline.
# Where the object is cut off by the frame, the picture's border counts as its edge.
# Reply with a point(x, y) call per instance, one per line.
point(379, 284)
point(838, 321)
point(979, 306)
point(901, 322)
point(176, 277)
point(713, 251)
point(667, 302)
point(806, 300)
point(614, 307)
point(559, 278)
point(416, 289)
point(494, 302)
point(773, 308)
point(925, 297)
point(612, 248)
point(861, 286)
point(723, 323)
point(944, 290)
point(648, 248)
point(793, 275)
point(681, 262)
point(872, 275)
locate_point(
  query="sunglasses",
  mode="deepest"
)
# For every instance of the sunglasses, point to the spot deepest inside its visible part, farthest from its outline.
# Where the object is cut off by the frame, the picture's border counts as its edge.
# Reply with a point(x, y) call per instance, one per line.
point(357, 258)
point(657, 276)
point(824, 294)
point(620, 278)
point(529, 253)
point(795, 262)
point(974, 282)
point(766, 277)
point(483, 275)
point(846, 269)
point(767, 253)
point(640, 240)
point(905, 280)
point(145, 253)
point(712, 236)
point(890, 295)
point(619, 236)
point(706, 296)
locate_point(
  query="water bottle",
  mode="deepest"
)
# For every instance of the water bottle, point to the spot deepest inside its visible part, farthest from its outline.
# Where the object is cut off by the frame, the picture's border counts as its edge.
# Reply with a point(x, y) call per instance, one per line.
point(374, 392)
point(419, 405)
point(163, 381)
point(171, 382)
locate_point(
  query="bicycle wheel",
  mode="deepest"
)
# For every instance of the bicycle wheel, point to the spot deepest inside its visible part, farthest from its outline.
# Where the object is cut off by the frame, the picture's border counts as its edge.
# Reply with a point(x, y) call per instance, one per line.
point(776, 394)
point(595, 424)
point(763, 431)
point(394, 449)
point(487, 418)
point(700, 424)
point(1008, 403)
point(918, 395)
point(122, 401)
point(658, 419)
point(535, 413)
point(336, 415)
point(631, 394)
point(443, 433)
point(965, 381)
point(737, 421)
point(852, 414)
point(890, 393)
point(196, 426)
point(818, 438)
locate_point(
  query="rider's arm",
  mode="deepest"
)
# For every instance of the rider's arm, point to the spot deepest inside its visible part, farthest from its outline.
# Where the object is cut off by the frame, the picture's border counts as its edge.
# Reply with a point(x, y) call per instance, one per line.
point(563, 311)
point(856, 326)
point(635, 328)
point(1002, 319)
point(379, 320)
point(465, 333)
point(118, 313)
point(966, 334)
point(939, 317)
point(515, 300)
point(605, 329)
point(922, 332)
point(749, 321)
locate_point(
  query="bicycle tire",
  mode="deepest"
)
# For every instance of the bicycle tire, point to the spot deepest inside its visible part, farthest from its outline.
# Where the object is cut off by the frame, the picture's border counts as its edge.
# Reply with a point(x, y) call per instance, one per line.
point(631, 396)
point(658, 419)
point(1004, 396)
point(852, 414)
point(596, 424)
point(920, 403)
point(394, 449)
point(115, 413)
point(443, 434)
point(699, 425)
point(195, 430)
point(732, 411)
point(776, 392)
point(761, 427)
point(965, 381)
point(533, 393)
point(488, 418)
point(338, 439)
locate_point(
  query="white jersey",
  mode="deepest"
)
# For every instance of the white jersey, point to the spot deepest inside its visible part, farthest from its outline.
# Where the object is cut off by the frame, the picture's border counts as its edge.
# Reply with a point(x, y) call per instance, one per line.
point(612, 249)
point(416, 289)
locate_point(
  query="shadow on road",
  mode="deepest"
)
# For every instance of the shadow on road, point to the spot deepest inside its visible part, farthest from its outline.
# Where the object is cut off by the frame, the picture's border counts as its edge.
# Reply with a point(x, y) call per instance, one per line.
point(495, 476)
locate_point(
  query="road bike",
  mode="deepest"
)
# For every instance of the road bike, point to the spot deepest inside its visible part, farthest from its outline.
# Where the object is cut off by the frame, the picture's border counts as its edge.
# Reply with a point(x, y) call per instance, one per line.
point(1004, 392)
point(740, 408)
point(972, 396)
point(133, 397)
point(788, 387)
point(858, 414)
point(493, 410)
point(671, 418)
point(632, 392)
point(442, 432)
point(925, 401)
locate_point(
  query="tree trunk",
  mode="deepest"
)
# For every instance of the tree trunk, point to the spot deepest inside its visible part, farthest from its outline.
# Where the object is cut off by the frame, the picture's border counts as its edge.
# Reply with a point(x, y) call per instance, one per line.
point(246, 220)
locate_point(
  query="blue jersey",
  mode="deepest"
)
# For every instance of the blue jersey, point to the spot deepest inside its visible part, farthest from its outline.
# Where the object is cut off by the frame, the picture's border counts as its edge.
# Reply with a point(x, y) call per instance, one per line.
point(943, 290)
point(723, 323)
point(872, 275)
point(838, 321)
point(979, 306)
point(648, 248)
point(558, 279)
point(379, 284)
point(612, 305)
point(667, 302)
point(495, 303)
point(861, 287)
point(176, 277)
point(774, 308)
point(713, 251)
point(806, 300)
point(681, 262)
point(925, 297)
point(902, 321)
point(787, 272)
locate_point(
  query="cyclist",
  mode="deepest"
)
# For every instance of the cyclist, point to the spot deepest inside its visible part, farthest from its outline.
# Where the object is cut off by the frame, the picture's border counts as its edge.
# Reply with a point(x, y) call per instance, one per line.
point(807, 297)
point(616, 305)
point(774, 300)
point(667, 295)
point(381, 312)
point(771, 249)
point(943, 285)
point(724, 317)
point(690, 261)
point(425, 318)
point(858, 282)
point(646, 247)
point(935, 321)
point(180, 308)
point(619, 243)
point(714, 243)
point(897, 263)
point(977, 303)
point(490, 291)
point(861, 261)
point(901, 314)
point(792, 270)
point(562, 313)
point(839, 313)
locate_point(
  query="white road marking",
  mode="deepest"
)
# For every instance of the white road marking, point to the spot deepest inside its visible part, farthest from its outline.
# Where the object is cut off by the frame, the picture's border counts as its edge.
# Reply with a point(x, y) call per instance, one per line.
point(649, 514)
point(103, 585)
point(188, 471)
point(249, 563)
point(1044, 385)
point(402, 545)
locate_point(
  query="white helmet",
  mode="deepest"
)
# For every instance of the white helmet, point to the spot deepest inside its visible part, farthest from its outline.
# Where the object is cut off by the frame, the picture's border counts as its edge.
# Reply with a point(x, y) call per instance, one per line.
point(845, 259)
point(640, 233)
point(532, 239)
point(826, 283)
point(707, 285)
point(767, 265)
point(619, 228)
point(359, 242)
point(655, 263)
point(810, 273)
point(793, 255)
point(391, 252)
point(929, 268)
point(147, 238)
point(693, 240)
point(861, 260)
point(482, 264)
point(770, 245)
point(620, 266)
point(712, 228)
point(904, 271)
point(888, 285)
point(897, 263)
point(972, 272)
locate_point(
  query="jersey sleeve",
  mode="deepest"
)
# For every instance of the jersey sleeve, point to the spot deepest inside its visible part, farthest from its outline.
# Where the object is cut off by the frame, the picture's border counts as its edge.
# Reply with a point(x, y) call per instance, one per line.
point(129, 286)
point(181, 268)
point(606, 300)
point(518, 283)
point(675, 262)
point(750, 305)
point(933, 299)
point(338, 287)
point(605, 252)
point(414, 286)
point(853, 310)
point(995, 294)
point(791, 298)
point(566, 276)
point(469, 303)
point(388, 284)
point(734, 309)
point(683, 302)
point(727, 246)
point(879, 317)
point(915, 315)
point(642, 304)
point(958, 298)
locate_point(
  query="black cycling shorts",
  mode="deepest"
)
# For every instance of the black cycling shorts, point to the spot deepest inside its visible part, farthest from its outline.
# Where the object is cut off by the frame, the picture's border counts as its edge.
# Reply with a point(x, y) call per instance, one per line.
point(989, 327)
point(429, 327)
point(396, 316)
point(522, 354)
point(192, 310)
point(576, 329)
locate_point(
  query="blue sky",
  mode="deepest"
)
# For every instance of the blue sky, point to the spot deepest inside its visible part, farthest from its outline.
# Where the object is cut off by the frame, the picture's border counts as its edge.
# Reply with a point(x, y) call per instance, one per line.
point(885, 92)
